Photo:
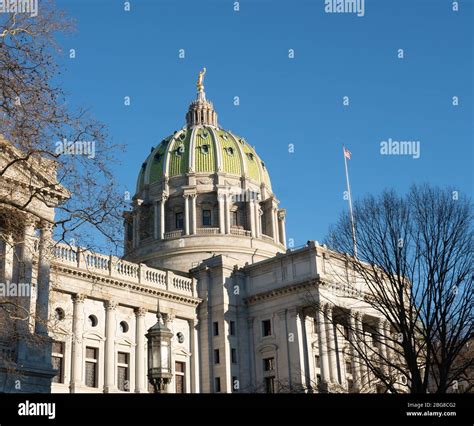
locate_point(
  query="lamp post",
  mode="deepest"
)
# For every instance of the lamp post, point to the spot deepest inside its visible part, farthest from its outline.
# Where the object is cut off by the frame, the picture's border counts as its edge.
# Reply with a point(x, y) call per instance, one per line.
point(159, 355)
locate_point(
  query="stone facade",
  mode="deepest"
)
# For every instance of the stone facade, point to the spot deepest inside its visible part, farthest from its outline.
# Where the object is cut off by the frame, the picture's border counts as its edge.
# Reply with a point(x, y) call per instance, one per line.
point(208, 248)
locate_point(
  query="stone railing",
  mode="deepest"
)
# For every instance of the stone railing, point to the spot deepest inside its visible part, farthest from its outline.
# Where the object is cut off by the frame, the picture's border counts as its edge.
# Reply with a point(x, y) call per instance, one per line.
point(266, 237)
point(115, 267)
point(173, 234)
point(238, 231)
point(208, 231)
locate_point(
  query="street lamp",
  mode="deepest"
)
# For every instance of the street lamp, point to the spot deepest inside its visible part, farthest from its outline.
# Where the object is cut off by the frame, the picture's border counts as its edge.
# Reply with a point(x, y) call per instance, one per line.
point(159, 355)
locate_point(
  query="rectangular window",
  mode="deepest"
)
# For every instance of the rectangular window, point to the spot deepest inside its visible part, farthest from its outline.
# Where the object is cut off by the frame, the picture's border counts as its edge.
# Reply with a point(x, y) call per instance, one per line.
point(350, 385)
point(58, 361)
point(180, 376)
point(348, 367)
point(270, 384)
point(346, 332)
point(315, 326)
point(216, 356)
point(232, 328)
point(268, 364)
point(234, 218)
point(266, 328)
point(123, 376)
point(215, 326)
point(179, 221)
point(233, 355)
point(91, 367)
point(206, 218)
point(318, 361)
point(318, 379)
point(217, 384)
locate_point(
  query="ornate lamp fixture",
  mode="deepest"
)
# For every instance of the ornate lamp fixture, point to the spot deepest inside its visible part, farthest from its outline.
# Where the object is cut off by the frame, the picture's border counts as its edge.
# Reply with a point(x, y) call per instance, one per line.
point(159, 355)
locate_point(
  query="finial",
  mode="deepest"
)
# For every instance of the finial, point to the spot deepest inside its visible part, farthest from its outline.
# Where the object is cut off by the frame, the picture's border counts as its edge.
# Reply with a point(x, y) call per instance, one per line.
point(199, 84)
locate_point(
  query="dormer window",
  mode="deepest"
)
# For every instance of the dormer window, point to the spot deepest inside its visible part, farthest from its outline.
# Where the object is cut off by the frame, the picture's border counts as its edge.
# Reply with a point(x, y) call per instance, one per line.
point(182, 136)
point(205, 135)
point(229, 150)
point(224, 136)
point(158, 156)
point(143, 165)
point(250, 156)
point(205, 149)
point(263, 165)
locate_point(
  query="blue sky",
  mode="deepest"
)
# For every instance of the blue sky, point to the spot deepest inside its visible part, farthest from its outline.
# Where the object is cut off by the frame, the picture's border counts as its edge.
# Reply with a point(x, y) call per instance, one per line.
point(286, 101)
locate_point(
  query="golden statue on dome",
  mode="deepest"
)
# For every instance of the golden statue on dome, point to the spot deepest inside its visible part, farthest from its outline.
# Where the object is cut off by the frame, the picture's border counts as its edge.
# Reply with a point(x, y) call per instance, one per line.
point(200, 81)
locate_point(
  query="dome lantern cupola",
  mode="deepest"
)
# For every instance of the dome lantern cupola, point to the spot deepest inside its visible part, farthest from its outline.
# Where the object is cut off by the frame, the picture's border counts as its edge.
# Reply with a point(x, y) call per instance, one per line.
point(201, 111)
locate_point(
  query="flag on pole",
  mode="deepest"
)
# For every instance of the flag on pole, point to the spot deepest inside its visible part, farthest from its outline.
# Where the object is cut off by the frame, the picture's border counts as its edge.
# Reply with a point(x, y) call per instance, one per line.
point(347, 153)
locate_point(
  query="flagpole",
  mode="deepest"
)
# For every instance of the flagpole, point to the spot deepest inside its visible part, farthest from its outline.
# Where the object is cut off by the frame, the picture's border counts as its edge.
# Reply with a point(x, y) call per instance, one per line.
point(350, 202)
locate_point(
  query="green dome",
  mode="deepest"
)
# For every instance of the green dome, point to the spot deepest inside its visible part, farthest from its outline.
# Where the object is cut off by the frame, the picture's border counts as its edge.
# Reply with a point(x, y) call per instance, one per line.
point(202, 149)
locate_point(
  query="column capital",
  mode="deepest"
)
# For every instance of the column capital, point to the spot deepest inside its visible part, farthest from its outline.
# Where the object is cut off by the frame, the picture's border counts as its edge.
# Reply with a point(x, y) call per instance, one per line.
point(168, 318)
point(110, 305)
point(78, 298)
point(140, 311)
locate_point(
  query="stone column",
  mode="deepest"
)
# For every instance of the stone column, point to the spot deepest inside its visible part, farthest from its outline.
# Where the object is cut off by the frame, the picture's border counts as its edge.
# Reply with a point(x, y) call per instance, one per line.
point(220, 200)
point(140, 385)
point(26, 276)
point(156, 219)
point(363, 349)
point(355, 355)
point(276, 236)
point(193, 214)
point(382, 343)
point(194, 361)
point(258, 230)
point(282, 230)
point(162, 216)
point(227, 214)
point(323, 345)
point(186, 214)
point(109, 360)
point(77, 350)
point(331, 344)
point(6, 256)
point(44, 266)
point(251, 216)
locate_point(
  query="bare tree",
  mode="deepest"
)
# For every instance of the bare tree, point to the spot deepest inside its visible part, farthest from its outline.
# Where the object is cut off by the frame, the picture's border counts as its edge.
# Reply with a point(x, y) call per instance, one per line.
point(41, 129)
point(415, 258)
point(55, 166)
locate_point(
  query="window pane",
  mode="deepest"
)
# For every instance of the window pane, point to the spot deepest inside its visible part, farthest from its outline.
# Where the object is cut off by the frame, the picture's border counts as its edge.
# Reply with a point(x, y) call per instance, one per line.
point(91, 377)
point(270, 384)
point(206, 218)
point(91, 353)
point(57, 363)
point(122, 379)
point(267, 327)
point(122, 358)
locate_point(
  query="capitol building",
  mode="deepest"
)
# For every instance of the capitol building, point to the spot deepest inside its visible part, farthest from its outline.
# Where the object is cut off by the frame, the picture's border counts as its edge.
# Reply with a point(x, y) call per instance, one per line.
point(205, 250)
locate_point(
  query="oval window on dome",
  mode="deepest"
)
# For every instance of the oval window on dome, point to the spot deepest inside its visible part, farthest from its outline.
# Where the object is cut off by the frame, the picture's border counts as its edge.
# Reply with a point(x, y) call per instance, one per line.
point(180, 150)
point(224, 136)
point(230, 150)
point(205, 135)
point(158, 156)
point(182, 136)
point(205, 149)
point(250, 156)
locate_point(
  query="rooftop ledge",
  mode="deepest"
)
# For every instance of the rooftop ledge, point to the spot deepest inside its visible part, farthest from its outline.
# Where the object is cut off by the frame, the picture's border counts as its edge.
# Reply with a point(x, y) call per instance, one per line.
point(115, 267)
